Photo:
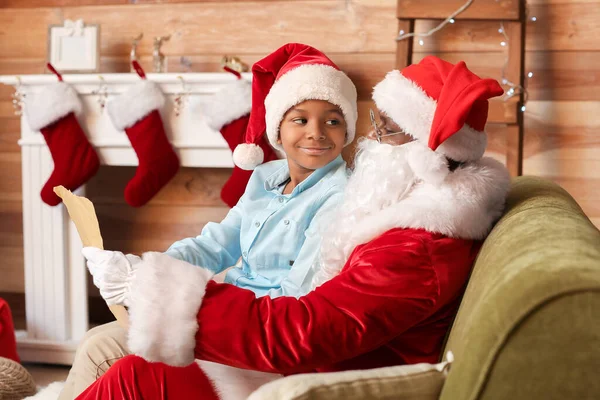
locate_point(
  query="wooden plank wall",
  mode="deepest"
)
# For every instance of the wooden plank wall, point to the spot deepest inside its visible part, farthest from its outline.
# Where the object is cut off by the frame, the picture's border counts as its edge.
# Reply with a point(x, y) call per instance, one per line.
point(562, 116)
point(356, 34)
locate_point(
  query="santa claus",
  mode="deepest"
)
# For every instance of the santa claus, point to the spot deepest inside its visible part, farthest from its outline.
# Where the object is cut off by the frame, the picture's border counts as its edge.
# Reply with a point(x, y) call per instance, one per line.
point(420, 201)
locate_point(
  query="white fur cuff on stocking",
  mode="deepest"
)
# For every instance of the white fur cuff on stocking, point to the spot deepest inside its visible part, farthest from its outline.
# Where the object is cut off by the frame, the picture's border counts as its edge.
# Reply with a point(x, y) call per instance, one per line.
point(230, 103)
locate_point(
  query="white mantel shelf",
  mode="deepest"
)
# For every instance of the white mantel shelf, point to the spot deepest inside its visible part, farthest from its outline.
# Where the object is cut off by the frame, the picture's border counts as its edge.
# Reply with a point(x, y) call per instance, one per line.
point(196, 144)
point(55, 272)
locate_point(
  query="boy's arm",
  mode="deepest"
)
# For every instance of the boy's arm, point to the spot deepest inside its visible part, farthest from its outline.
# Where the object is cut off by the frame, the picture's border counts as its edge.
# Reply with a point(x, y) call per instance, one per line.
point(217, 247)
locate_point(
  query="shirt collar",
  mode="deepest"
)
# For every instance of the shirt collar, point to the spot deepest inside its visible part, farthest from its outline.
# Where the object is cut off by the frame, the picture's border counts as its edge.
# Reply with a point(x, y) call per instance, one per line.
point(277, 178)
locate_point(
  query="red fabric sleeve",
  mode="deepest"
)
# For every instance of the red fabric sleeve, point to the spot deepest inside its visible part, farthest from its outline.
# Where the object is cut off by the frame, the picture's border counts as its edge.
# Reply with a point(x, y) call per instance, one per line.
point(133, 378)
point(8, 343)
point(380, 294)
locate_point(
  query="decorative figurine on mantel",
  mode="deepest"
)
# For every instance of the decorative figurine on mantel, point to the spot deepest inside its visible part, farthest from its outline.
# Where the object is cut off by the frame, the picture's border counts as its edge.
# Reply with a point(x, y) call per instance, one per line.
point(133, 55)
point(158, 58)
point(234, 63)
point(18, 98)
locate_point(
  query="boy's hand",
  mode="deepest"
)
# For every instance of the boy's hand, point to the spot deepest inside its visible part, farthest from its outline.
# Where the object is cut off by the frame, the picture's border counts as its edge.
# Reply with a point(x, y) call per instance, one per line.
point(112, 272)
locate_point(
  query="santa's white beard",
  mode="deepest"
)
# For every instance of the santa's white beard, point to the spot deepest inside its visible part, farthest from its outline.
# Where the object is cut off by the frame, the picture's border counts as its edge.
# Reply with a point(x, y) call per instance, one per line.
point(380, 178)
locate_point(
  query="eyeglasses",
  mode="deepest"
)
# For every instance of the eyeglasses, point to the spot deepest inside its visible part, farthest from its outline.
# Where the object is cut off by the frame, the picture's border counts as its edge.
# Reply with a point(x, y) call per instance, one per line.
point(378, 132)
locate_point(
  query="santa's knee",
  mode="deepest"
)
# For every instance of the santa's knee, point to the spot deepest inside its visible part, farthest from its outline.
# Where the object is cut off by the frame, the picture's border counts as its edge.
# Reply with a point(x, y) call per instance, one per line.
point(98, 352)
point(130, 365)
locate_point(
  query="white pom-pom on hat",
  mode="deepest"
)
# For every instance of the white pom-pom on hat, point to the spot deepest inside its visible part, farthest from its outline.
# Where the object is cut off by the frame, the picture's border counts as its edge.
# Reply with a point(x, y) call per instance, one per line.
point(428, 165)
point(248, 156)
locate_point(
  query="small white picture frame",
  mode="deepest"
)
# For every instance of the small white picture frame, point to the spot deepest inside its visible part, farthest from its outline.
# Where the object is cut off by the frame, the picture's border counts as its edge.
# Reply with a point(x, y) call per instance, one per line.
point(74, 47)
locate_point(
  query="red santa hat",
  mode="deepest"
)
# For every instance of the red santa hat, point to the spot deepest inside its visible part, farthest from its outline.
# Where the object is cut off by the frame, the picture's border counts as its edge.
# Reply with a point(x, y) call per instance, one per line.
point(442, 105)
point(292, 74)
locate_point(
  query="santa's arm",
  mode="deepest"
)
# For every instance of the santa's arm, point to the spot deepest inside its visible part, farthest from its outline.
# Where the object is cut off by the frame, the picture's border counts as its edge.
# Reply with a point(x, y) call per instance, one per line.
point(384, 293)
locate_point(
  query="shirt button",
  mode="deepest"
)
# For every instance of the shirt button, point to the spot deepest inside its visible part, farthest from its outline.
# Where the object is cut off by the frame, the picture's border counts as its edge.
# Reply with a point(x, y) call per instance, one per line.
point(286, 222)
point(245, 254)
point(257, 224)
point(281, 199)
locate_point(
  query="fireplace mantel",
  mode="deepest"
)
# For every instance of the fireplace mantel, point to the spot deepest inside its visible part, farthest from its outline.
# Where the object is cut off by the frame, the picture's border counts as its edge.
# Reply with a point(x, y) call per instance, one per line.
point(55, 273)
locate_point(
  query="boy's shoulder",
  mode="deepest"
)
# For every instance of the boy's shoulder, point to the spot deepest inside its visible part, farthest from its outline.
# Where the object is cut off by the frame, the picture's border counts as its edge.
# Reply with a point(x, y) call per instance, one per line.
point(333, 182)
point(271, 166)
point(336, 179)
point(264, 171)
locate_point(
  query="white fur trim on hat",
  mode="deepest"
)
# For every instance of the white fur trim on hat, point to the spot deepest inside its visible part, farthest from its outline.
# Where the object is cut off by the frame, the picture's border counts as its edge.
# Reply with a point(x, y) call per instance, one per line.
point(413, 110)
point(166, 295)
point(310, 82)
point(133, 105)
point(230, 103)
point(248, 156)
point(51, 104)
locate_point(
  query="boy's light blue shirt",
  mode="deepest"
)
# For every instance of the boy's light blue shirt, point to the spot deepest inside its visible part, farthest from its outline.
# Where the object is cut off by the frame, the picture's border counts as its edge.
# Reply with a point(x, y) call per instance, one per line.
point(277, 236)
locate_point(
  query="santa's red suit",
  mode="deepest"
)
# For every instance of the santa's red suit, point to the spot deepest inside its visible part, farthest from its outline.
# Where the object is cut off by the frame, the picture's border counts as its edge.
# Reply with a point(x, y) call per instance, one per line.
point(391, 303)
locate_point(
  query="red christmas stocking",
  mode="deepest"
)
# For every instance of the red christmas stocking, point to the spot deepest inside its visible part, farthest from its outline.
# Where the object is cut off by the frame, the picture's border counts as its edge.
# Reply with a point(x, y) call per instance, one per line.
point(234, 134)
point(235, 186)
point(136, 112)
point(52, 111)
point(228, 111)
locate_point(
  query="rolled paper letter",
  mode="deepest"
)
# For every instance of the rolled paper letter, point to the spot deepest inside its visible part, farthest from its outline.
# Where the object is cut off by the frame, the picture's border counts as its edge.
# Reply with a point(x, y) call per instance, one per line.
point(82, 213)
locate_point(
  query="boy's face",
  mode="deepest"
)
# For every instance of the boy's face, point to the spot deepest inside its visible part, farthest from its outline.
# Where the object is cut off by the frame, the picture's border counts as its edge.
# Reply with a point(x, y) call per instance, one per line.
point(312, 134)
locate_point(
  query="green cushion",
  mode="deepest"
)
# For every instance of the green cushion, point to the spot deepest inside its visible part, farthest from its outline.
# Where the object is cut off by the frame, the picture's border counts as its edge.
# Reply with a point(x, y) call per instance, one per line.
point(528, 323)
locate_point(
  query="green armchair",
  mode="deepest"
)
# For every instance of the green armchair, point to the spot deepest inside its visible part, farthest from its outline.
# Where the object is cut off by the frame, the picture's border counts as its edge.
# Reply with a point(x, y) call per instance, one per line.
point(529, 323)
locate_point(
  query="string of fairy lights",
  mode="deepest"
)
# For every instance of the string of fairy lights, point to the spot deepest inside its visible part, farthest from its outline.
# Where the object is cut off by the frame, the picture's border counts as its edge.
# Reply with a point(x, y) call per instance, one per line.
point(513, 89)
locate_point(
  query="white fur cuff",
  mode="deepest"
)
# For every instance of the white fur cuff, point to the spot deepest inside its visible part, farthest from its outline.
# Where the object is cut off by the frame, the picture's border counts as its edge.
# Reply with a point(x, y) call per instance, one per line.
point(133, 105)
point(166, 295)
point(51, 104)
point(230, 103)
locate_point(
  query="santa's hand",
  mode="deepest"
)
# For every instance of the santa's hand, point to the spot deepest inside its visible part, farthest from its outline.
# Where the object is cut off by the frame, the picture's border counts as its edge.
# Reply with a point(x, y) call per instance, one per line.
point(112, 272)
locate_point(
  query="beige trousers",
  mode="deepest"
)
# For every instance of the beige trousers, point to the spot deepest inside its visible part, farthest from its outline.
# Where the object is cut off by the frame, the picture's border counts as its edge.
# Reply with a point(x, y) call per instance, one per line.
point(100, 348)
point(106, 344)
